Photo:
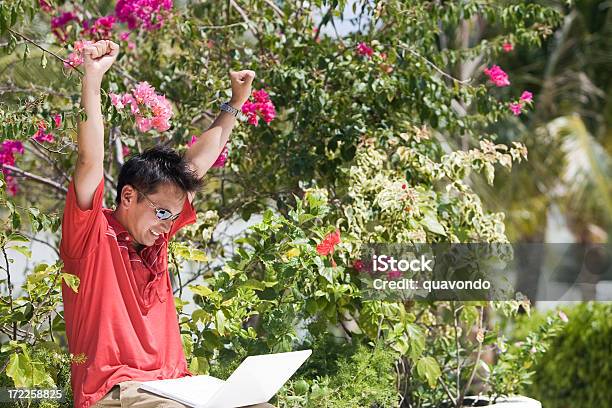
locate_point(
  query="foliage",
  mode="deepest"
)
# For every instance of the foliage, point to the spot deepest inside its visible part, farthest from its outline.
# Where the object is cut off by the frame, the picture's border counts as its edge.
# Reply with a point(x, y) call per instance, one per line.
point(575, 371)
point(364, 142)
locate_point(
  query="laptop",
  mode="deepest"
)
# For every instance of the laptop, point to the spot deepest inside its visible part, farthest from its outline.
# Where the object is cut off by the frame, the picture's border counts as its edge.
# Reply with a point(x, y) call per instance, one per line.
point(255, 381)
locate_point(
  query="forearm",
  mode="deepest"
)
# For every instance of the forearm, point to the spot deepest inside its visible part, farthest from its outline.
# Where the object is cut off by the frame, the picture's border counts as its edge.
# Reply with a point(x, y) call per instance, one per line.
point(209, 146)
point(90, 135)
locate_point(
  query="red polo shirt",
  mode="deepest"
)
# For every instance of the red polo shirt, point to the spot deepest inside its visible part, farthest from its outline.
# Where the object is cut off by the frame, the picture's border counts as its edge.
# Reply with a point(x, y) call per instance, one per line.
point(123, 319)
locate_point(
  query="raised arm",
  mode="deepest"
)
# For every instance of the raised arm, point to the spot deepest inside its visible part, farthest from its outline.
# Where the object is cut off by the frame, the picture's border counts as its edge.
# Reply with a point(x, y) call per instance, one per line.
point(90, 138)
point(203, 154)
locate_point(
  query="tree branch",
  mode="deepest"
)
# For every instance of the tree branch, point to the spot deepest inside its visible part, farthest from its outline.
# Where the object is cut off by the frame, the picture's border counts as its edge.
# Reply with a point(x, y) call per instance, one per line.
point(34, 177)
point(43, 49)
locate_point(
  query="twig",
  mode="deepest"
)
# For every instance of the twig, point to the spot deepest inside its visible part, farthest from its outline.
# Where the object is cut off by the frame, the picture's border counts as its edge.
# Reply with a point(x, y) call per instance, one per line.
point(434, 66)
point(10, 288)
point(221, 26)
point(34, 177)
point(441, 381)
point(478, 353)
point(45, 50)
point(244, 16)
point(276, 9)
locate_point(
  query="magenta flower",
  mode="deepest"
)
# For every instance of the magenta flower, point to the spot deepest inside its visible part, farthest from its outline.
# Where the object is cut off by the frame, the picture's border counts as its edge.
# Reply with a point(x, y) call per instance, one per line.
point(58, 25)
point(220, 162)
point(8, 148)
point(394, 274)
point(101, 28)
point(364, 50)
point(516, 108)
point(497, 76)
point(42, 136)
point(194, 139)
point(57, 120)
point(262, 107)
point(526, 96)
point(45, 6)
point(125, 150)
point(148, 14)
point(507, 47)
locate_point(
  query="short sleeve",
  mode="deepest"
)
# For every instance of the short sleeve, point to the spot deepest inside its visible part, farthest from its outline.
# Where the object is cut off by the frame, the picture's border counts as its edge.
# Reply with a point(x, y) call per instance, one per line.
point(82, 231)
point(188, 216)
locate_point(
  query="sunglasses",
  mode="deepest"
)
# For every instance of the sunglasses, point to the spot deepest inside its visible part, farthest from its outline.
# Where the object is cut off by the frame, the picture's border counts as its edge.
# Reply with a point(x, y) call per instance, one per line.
point(161, 213)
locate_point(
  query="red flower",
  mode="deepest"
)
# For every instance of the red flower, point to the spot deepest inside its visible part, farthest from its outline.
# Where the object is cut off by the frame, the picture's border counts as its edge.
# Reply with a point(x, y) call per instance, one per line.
point(326, 246)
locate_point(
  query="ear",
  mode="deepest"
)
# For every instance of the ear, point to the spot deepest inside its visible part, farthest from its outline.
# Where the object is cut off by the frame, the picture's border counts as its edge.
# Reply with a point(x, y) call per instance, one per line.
point(129, 196)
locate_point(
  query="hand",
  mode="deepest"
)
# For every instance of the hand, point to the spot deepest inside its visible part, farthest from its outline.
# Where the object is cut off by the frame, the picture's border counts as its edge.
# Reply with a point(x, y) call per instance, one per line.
point(241, 87)
point(99, 57)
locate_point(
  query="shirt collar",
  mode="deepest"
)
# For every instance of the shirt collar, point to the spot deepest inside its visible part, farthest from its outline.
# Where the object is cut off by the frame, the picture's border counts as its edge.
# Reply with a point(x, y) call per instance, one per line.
point(148, 254)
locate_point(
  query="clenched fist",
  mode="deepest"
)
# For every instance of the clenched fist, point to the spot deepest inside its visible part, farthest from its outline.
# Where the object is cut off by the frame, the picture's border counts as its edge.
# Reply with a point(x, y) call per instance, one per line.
point(98, 57)
point(241, 87)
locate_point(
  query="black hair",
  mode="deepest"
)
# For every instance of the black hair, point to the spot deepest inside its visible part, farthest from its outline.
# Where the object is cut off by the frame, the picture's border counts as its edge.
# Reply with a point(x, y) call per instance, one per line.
point(155, 166)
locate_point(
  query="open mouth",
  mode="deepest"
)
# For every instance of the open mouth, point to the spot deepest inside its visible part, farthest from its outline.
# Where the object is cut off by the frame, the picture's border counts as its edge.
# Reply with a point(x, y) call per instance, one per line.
point(154, 234)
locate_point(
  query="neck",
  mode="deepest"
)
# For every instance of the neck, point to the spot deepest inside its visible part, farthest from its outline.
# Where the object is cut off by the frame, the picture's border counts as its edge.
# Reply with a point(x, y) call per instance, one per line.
point(121, 216)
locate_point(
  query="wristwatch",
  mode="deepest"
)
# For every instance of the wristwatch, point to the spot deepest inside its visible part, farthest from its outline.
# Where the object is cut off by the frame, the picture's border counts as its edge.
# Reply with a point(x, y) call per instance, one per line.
point(226, 107)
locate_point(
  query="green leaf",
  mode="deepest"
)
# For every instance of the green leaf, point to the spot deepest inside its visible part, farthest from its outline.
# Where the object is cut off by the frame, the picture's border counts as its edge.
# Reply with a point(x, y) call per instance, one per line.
point(17, 237)
point(199, 365)
point(22, 249)
point(72, 281)
point(220, 322)
point(430, 222)
point(200, 290)
point(428, 369)
point(253, 284)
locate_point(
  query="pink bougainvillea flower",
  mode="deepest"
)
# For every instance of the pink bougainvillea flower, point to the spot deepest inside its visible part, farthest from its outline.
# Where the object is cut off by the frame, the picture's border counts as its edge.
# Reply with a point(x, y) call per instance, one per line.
point(59, 23)
point(507, 46)
point(42, 136)
point(76, 57)
point(516, 108)
point(358, 265)
point(148, 14)
point(497, 76)
point(8, 148)
point(526, 96)
point(192, 141)
point(220, 162)
point(125, 151)
point(150, 110)
point(100, 28)
point(259, 106)
point(45, 6)
point(364, 49)
point(57, 120)
point(116, 100)
point(124, 36)
point(394, 274)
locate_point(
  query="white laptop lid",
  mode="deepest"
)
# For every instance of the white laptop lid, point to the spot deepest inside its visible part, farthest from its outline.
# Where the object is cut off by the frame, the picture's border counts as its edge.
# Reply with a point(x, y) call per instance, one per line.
point(257, 379)
point(192, 391)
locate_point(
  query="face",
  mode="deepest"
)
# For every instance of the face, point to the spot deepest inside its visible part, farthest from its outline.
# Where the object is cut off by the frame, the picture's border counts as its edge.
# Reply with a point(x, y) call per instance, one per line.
point(142, 223)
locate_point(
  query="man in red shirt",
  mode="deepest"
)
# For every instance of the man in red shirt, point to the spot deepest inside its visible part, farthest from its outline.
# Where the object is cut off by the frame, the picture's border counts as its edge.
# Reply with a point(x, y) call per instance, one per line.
point(122, 326)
